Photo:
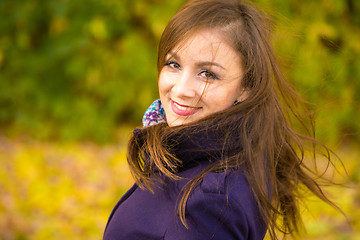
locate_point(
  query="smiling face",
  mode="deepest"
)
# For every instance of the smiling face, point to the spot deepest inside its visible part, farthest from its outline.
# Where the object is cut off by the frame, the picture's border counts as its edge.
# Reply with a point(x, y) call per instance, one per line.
point(201, 77)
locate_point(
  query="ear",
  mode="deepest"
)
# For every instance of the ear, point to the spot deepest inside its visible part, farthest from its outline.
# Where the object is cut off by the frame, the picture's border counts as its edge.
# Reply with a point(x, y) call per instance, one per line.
point(243, 95)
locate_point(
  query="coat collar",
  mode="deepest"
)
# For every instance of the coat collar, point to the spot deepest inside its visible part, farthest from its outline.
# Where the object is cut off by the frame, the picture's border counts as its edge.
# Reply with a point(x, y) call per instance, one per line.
point(200, 144)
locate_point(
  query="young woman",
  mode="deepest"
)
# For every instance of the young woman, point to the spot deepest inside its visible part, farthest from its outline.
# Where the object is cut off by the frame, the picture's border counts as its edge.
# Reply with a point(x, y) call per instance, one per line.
point(218, 157)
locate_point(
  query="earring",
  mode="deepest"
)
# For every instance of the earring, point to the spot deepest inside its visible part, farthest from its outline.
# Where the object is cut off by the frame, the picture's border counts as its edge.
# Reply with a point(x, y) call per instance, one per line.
point(235, 102)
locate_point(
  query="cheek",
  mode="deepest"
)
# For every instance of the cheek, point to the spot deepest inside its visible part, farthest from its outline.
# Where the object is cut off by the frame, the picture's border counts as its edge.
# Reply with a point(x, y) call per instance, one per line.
point(220, 97)
point(164, 83)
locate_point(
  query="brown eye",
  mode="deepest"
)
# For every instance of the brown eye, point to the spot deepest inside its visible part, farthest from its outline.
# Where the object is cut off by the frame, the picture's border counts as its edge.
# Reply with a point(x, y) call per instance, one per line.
point(208, 75)
point(173, 65)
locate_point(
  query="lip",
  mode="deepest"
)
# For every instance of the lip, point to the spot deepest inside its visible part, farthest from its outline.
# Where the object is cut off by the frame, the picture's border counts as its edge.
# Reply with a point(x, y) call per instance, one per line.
point(183, 110)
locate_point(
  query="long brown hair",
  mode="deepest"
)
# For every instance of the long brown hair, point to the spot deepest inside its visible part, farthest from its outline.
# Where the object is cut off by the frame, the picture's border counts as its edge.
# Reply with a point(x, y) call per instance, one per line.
point(273, 152)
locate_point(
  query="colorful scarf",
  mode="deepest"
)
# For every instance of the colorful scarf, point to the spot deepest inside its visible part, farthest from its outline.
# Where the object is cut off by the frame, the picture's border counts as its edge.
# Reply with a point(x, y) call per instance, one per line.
point(155, 114)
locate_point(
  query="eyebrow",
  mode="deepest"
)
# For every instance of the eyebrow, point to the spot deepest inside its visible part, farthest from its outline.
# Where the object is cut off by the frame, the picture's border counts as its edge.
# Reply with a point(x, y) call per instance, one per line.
point(199, 64)
point(202, 64)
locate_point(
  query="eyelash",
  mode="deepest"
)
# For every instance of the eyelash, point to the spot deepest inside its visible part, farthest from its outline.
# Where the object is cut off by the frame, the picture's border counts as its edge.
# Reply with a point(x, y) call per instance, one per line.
point(213, 76)
point(171, 64)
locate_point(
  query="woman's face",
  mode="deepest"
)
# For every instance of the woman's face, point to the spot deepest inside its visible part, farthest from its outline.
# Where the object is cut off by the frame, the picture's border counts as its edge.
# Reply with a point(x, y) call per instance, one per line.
point(201, 77)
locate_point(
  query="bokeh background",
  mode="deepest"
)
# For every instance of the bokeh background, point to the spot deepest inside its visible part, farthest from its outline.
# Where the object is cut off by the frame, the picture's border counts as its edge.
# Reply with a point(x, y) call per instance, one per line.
point(77, 75)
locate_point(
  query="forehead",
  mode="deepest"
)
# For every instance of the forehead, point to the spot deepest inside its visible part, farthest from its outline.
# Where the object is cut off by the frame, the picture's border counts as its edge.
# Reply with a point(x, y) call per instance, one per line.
point(208, 44)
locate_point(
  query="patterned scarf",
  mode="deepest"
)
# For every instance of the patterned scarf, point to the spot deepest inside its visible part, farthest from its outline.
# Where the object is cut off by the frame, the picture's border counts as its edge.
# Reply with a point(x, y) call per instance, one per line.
point(155, 114)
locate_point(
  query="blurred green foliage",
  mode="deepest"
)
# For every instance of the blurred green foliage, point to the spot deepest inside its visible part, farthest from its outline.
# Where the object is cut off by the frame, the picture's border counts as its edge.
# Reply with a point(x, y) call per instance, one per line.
point(73, 70)
point(78, 69)
point(319, 47)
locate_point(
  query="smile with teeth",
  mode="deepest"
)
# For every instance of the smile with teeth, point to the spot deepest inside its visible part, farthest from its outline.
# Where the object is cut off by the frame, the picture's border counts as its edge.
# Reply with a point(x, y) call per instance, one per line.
point(183, 110)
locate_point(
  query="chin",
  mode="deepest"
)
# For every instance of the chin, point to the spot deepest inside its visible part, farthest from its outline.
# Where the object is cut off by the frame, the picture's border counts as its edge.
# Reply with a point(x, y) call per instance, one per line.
point(174, 122)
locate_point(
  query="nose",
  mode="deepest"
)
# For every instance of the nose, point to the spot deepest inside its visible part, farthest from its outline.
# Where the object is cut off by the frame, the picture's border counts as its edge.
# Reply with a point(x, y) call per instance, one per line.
point(185, 86)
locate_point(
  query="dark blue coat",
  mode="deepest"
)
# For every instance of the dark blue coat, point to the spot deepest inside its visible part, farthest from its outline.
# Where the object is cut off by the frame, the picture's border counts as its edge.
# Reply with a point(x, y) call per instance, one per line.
point(221, 207)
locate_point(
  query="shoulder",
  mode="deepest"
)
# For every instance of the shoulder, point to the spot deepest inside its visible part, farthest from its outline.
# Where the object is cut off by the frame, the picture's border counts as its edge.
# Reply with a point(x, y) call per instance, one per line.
point(233, 189)
point(222, 207)
point(227, 182)
point(231, 185)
